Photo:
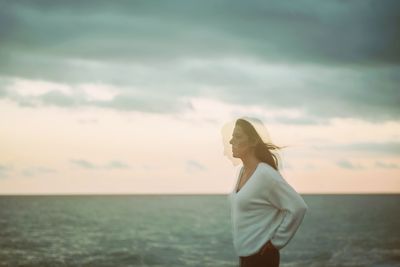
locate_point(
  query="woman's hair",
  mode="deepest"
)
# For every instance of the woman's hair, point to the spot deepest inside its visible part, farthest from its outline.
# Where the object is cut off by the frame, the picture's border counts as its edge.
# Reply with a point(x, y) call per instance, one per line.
point(262, 150)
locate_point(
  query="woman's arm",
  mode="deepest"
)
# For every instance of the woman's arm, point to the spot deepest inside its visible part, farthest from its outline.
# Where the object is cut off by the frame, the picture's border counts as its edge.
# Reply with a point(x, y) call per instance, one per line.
point(287, 200)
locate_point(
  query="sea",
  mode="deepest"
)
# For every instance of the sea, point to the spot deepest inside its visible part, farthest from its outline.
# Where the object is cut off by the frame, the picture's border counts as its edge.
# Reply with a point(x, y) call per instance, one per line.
point(189, 230)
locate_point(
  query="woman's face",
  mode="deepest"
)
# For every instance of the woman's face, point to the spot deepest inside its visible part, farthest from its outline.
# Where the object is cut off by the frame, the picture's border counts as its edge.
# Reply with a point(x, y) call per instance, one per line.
point(240, 142)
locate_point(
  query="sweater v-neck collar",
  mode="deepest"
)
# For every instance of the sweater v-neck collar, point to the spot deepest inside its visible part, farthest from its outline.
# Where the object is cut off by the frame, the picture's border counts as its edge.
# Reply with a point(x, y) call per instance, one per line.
point(238, 180)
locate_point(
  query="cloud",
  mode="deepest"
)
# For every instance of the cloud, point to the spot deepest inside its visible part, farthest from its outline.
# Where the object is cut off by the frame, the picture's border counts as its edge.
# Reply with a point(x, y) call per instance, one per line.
point(301, 120)
point(385, 165)
point(373, 148)
point(115, 164)
point(345, 164)
point(149, 103)
point(37, 170)
point(4, 171)
point(194, 166)
point(83, 163)
point(387, 148)
point(27, 171)
point(301, 31)
point(47, 94)
point(269, 54)
point(111, 165)
point(318, 93)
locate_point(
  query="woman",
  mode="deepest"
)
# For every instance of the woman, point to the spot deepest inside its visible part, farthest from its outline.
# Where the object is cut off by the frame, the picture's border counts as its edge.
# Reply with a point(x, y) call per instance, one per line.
point(266, 211)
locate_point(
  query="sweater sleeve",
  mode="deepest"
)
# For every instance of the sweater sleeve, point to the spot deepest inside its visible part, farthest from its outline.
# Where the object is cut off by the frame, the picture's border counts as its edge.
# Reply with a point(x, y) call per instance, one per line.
point(287, 200)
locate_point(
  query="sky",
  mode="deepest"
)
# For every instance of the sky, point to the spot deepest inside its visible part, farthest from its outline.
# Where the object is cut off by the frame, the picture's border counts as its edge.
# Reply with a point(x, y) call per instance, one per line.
point(129, 97)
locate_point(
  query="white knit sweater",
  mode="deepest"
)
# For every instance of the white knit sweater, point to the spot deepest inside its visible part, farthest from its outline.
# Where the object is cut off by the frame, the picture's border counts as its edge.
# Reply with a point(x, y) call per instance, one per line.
point(265, 208)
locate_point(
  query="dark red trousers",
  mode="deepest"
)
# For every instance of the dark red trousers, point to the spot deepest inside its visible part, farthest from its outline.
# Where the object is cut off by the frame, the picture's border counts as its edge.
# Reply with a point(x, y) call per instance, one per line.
point(269, 258)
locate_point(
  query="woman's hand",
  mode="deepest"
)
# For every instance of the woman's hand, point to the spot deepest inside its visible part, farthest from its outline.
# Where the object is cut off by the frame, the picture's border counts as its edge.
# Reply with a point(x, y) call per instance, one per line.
point(267, 246)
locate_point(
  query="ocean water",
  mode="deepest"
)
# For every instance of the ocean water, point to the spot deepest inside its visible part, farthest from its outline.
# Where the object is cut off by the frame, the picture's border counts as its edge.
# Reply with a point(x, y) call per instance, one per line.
point(192, 230)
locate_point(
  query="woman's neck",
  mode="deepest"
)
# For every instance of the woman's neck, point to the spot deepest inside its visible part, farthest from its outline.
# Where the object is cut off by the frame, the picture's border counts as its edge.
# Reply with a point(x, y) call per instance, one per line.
point(250, 162)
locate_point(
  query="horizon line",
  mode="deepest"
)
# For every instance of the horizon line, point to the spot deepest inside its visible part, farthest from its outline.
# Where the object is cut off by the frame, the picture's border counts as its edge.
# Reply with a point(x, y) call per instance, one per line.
point(184, 194)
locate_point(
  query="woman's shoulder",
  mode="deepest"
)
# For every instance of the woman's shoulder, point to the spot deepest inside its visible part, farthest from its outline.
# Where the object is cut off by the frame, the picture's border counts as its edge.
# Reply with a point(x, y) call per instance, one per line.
point(266, 167)
point(269, 173)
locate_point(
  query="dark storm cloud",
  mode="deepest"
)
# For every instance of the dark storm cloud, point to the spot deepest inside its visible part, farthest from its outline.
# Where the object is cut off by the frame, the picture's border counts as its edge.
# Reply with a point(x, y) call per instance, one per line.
point(338, 31)
point(352, 48)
